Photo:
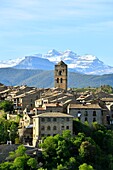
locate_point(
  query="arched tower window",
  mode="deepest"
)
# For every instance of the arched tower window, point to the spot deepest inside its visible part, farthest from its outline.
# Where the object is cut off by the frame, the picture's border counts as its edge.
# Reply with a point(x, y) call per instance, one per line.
point(60, 73)
point(61, 80)
point(57, 80)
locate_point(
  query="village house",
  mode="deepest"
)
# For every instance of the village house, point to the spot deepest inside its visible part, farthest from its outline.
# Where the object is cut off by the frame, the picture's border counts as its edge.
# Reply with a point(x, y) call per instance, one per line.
point(26, 128)
point(26, 99)
point(52, 100)
point(87, 112)
point(49, 107)
point(50, 124)
point(108, 101)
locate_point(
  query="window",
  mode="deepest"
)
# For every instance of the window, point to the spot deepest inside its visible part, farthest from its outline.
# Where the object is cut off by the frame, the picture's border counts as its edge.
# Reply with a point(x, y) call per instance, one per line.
point(94, 113)
point(54, 119)
point(57, 80)
point(42, 128)
point(62, 127)
point(62, 119)
point(49, 119)
point(111, 108)
point(67, 119)
point(42, 135)
point(60, 73)
point(67, 127)
point(79, 115)
point(42, 119)
point(48, 128)
point(86, 113)
point(54, 128)
point(86, 119)
point(94, 119)
point(61, 80)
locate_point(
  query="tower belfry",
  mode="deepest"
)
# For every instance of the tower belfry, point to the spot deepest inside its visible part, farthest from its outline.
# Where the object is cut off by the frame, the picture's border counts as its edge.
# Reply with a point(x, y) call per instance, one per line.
point(60, 75)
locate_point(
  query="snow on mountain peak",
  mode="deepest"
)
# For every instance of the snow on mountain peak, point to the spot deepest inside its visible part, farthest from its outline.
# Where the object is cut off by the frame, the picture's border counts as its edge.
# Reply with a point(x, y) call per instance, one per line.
point(53, 52)
point(87, 64)
point(10, 63)
point(88, 57)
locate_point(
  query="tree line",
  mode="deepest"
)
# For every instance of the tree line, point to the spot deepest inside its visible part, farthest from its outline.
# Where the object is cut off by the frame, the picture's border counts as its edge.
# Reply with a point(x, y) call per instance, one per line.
point(90, 148)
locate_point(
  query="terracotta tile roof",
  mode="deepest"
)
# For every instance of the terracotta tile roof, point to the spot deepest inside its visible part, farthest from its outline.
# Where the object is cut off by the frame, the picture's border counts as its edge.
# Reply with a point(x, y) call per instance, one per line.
point(85, 106)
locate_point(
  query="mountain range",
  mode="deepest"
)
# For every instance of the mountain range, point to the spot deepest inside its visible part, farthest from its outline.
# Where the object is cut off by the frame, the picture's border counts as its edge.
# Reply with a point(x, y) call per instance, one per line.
point(87, 64)
point(38, 70)
point(45, 78)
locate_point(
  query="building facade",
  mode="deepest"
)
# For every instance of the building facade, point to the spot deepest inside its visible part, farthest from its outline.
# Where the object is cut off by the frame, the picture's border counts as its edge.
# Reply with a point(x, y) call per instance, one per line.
point(86, 112)
point(50, 124)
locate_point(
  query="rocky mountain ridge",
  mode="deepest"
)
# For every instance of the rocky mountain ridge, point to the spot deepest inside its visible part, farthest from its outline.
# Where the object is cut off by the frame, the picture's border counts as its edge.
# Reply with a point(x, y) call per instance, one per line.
point(86, 64)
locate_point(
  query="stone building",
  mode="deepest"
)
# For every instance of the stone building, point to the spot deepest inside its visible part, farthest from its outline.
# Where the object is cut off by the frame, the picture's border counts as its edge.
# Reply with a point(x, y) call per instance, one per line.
point(50, 124)
point(87, 112)
point(108, 102)
point(26, 100)
point(60, 74)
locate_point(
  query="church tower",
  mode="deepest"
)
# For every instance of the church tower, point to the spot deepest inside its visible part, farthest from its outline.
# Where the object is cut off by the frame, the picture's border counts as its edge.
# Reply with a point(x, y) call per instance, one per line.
point(60, 74)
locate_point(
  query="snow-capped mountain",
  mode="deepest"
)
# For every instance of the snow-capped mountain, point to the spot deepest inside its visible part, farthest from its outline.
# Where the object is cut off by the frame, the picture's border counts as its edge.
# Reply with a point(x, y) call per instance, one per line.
point(35, 62)
point(87, 64)
point(10, 63)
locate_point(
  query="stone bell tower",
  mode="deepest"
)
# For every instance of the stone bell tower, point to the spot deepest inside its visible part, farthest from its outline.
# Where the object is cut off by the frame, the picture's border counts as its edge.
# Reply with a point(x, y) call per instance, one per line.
point(60, 75)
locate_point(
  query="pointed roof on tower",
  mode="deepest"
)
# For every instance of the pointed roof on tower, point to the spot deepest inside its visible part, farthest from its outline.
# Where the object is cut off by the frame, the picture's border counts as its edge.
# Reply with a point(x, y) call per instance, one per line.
point(61, 63)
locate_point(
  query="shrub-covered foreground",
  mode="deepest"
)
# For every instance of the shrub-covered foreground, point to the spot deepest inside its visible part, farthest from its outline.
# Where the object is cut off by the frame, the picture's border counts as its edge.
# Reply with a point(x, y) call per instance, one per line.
point(91, 148)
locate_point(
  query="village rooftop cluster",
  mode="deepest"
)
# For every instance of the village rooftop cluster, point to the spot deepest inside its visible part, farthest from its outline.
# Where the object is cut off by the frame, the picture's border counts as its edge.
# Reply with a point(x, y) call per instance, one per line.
point(50, 111)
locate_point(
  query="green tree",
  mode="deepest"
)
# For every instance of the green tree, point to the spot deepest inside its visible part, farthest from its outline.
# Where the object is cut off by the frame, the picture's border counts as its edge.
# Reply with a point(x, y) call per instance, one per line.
point(88, 152)
point(13, 129)
point(6, 105)
point(84, 166)
point(49, 146)
point(5, 166)
point(20, 151)
point(32, 162)
point(19, 160)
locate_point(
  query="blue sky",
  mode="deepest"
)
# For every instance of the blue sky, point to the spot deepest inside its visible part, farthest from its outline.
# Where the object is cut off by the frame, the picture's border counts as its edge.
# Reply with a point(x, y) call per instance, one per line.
point(29, 27)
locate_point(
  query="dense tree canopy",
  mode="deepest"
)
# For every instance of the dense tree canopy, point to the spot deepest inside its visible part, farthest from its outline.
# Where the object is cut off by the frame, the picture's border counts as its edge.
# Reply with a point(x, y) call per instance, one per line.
point(91, 148)
point(6, 105)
